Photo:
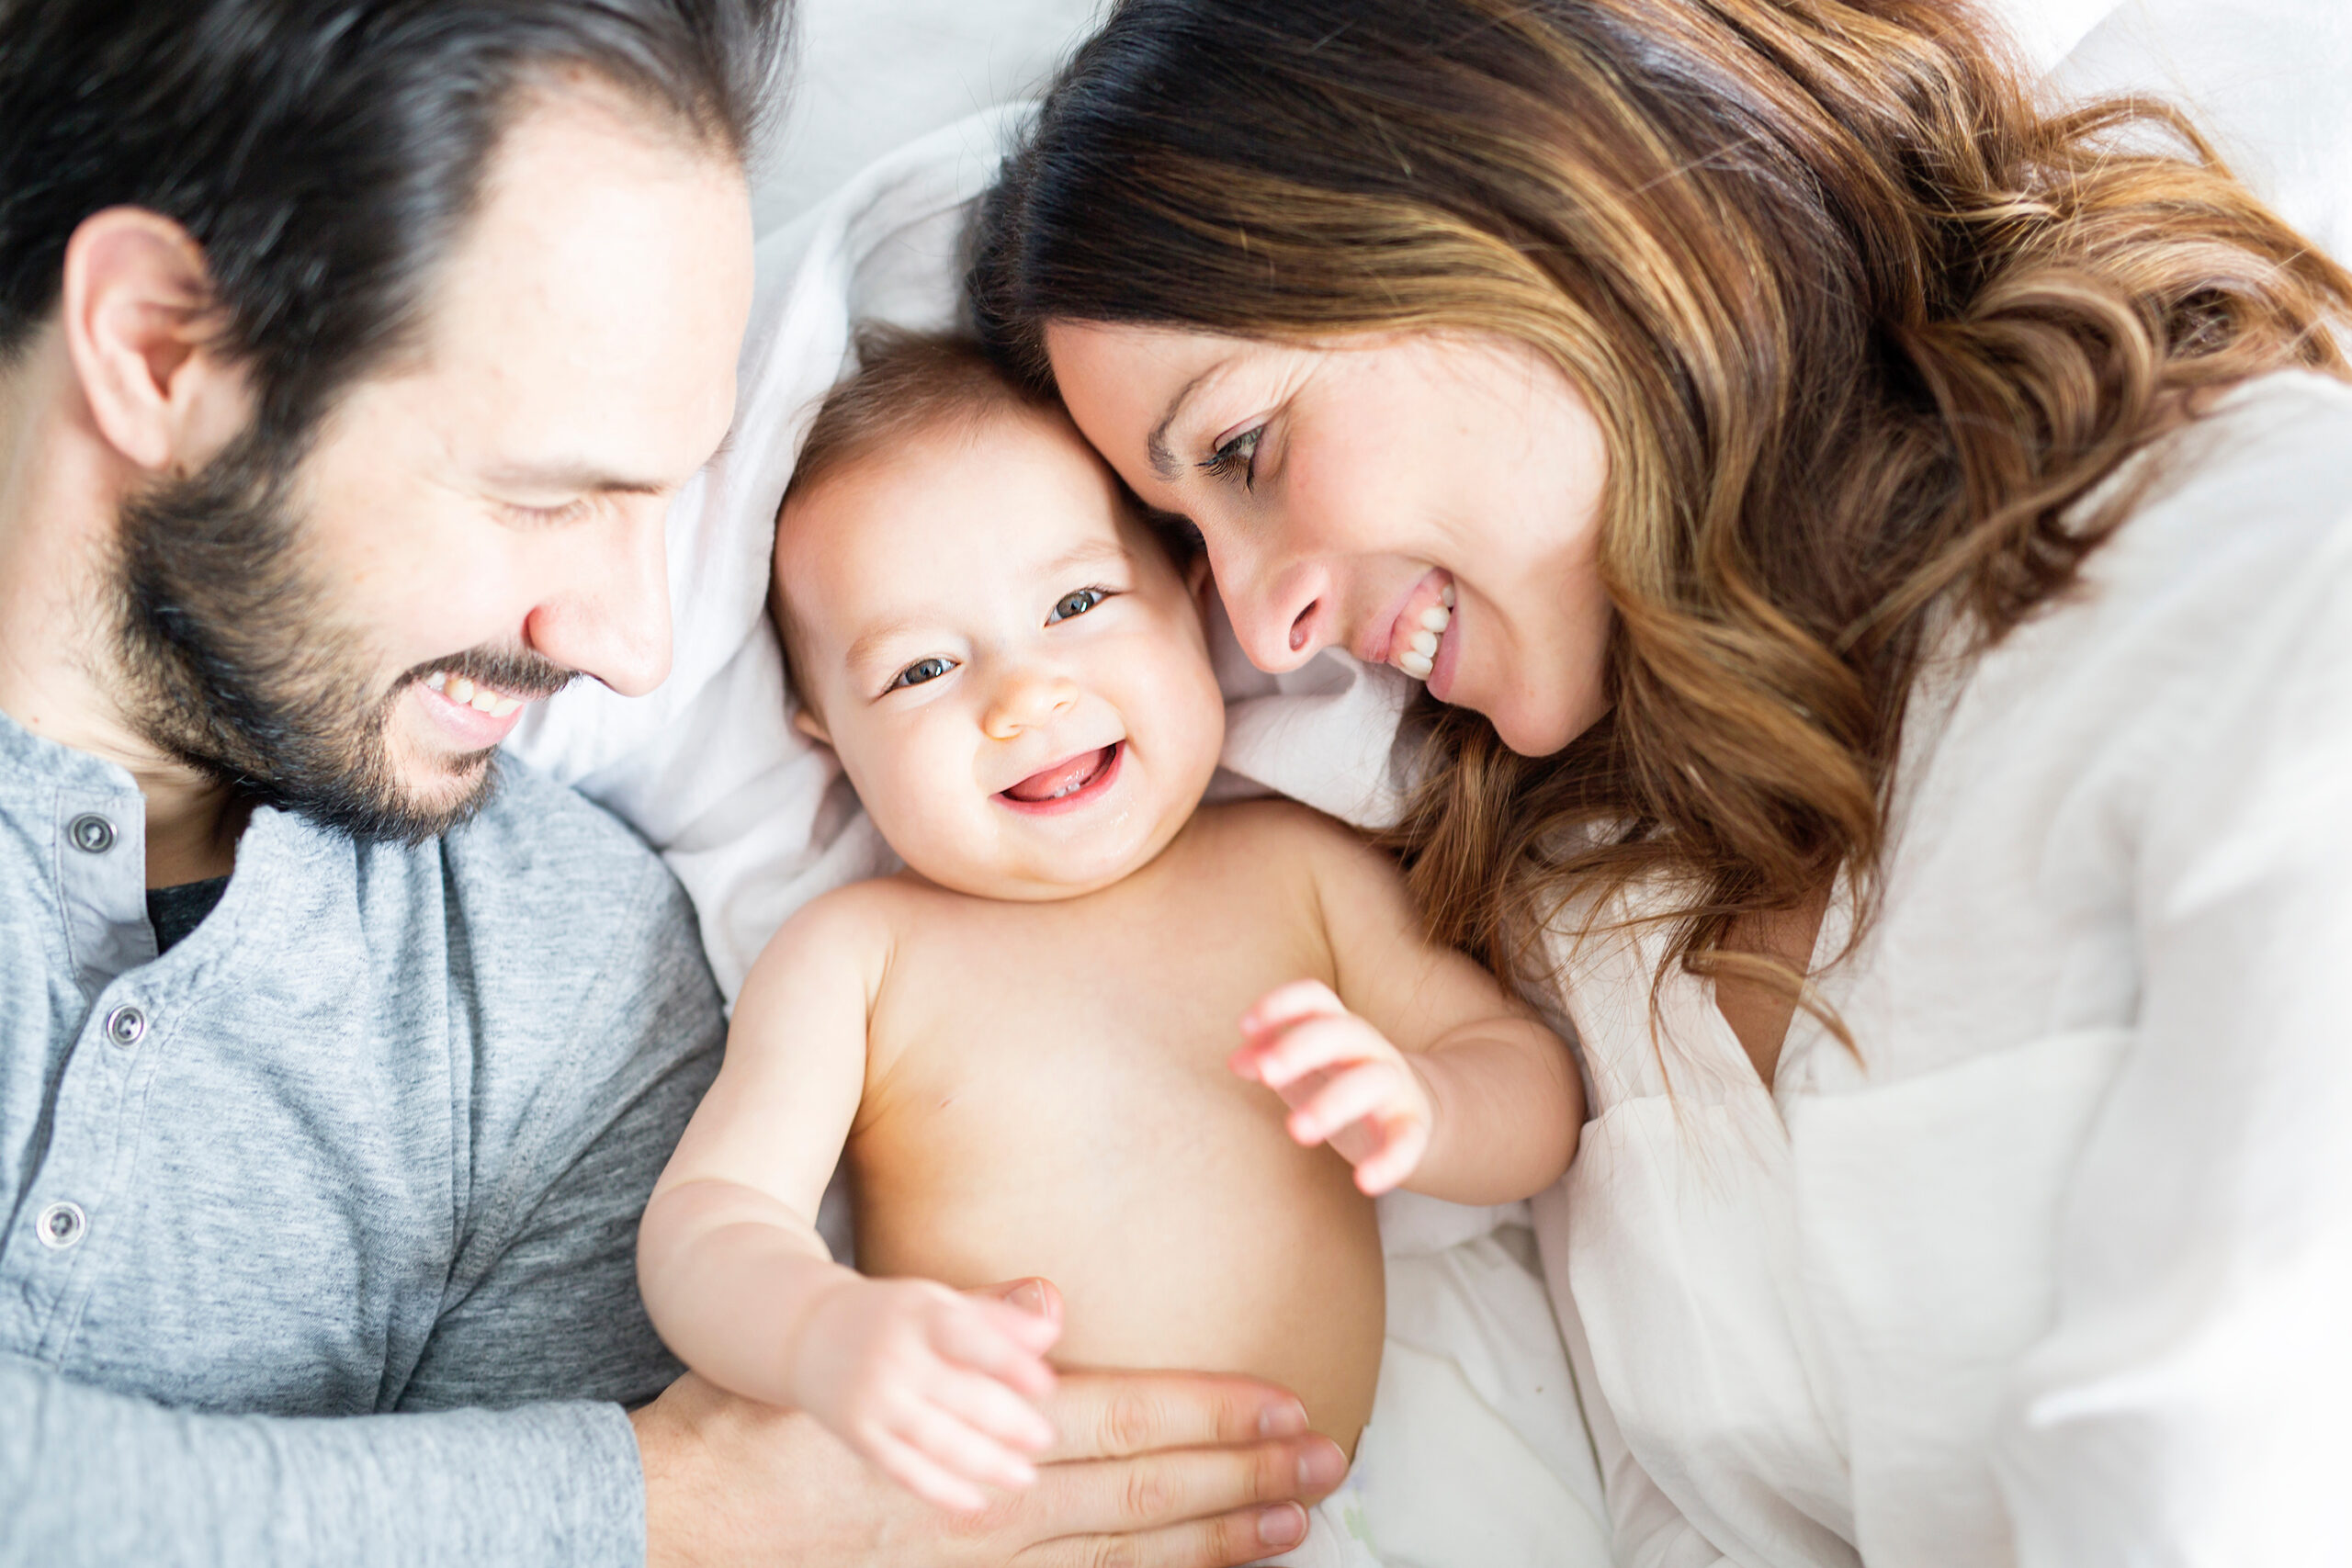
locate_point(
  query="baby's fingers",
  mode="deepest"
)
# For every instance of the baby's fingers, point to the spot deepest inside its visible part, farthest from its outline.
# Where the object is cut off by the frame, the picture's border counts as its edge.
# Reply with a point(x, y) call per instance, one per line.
point(1308, 1047)
point(1402, 1143)
point(996, 1339)
point(1286, 1004)
point(961, 1451)
point(926, 1478)
point(1378, 1089)
point(993, 1410)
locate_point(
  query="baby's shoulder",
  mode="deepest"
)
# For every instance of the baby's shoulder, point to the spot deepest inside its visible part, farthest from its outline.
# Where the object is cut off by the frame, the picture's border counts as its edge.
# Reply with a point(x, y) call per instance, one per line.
point(848, 932)
point(1281, 835)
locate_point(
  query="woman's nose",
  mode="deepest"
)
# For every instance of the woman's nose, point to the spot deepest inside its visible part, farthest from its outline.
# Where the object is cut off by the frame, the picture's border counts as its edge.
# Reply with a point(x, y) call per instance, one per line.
point(1284, 622)
point(1026, 698)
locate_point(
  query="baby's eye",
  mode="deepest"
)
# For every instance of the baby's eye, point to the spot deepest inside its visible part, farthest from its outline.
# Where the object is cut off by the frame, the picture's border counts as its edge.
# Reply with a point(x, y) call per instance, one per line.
point(1076, 604)
point(922, 669)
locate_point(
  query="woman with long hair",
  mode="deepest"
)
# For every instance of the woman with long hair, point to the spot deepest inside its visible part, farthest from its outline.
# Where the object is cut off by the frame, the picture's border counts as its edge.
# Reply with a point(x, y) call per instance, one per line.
point(1875, 545)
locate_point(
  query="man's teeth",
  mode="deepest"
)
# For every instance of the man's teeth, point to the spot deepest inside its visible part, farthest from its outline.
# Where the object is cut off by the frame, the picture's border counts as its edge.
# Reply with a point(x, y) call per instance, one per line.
point(1419, 655)
point(465, 693)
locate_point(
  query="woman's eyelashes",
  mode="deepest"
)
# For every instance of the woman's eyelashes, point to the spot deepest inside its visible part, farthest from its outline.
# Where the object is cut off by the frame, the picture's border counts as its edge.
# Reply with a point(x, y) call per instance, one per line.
point(919, 671)
point(1238, 457)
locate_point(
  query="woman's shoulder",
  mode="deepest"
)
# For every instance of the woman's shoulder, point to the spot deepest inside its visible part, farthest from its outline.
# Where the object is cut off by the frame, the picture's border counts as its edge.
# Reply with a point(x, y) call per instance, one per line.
point(2260, 486)
point(2239, 540)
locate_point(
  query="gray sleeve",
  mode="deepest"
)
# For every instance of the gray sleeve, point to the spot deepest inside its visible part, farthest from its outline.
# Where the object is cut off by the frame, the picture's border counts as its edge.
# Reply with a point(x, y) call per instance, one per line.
point(90, 1478)
point(506, 1441)
point(543, 1302)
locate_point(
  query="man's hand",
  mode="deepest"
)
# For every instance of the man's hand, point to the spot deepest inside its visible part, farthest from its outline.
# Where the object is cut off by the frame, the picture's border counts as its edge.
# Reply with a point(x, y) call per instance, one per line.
point(1178, 1470)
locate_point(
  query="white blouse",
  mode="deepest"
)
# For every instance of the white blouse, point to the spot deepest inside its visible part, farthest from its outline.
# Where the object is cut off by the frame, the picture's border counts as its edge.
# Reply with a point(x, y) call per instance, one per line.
point(2058, 1269)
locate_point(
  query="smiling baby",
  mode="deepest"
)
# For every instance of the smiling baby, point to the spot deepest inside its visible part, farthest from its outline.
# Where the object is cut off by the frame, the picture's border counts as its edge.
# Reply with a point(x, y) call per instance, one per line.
point(1096, 1031)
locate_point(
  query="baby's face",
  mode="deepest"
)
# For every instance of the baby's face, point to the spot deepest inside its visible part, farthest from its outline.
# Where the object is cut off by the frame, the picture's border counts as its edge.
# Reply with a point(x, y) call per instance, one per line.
point(1013, 674)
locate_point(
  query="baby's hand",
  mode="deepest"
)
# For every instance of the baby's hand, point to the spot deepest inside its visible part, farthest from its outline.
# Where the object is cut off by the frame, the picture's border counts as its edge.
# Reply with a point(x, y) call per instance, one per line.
point(1342, 1079)
point(939, 1390)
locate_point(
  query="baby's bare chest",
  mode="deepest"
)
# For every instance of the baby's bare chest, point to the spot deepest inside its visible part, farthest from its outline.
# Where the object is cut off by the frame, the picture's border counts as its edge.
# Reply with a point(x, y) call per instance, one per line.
point(1021, 1014)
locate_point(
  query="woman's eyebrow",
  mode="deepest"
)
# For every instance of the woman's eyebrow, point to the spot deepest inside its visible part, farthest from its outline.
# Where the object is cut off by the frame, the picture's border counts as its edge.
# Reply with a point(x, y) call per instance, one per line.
point(1163, 461)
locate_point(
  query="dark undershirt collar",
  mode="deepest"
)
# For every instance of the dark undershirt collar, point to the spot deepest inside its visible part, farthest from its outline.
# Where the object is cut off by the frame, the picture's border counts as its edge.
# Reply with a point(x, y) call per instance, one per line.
point(177, 911)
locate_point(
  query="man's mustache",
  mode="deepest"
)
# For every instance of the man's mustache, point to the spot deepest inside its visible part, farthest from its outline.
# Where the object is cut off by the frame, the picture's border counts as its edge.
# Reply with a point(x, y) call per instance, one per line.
point(518, 672)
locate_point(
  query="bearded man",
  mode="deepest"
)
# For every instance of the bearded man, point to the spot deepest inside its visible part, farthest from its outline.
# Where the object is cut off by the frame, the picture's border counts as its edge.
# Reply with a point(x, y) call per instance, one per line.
point(350, 351)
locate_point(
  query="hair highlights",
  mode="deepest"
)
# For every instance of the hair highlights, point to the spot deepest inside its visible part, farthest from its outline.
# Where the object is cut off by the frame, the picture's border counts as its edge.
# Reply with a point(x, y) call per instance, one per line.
point(1862, 323)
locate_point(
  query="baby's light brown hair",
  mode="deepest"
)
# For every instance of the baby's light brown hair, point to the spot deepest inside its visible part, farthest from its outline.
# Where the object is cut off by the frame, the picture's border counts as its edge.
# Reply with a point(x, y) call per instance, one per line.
point(909, 384)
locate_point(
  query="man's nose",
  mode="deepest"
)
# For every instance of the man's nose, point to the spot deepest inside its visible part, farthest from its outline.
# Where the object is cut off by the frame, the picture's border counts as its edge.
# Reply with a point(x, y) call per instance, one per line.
point(1025, 698)
point(610, 619)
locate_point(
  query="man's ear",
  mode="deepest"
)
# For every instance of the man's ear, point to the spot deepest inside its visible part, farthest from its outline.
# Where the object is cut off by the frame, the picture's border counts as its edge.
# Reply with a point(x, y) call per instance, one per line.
point(806, 720)
point(137, 314)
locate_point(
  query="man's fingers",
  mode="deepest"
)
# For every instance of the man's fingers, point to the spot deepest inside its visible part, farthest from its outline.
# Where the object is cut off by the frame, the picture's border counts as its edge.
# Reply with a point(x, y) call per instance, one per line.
point(1151, 1491)
point(1227, 1541)
point(988, 1407)
point(1106, 1415)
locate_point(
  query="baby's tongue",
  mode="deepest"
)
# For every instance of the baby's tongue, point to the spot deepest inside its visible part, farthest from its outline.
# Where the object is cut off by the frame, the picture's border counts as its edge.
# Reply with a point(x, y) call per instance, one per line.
point(1062, 777)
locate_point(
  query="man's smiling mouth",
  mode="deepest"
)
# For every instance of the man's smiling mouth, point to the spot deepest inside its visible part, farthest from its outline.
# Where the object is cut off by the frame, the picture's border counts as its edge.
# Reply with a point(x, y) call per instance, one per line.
point(466, 693)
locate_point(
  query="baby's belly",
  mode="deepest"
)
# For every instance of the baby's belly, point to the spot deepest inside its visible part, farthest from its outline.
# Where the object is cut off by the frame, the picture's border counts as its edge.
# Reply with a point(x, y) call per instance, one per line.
point(1198, 1237)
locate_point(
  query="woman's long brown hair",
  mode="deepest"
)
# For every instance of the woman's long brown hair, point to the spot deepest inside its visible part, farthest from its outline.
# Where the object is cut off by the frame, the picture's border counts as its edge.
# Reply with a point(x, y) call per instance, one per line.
point(1861, 320)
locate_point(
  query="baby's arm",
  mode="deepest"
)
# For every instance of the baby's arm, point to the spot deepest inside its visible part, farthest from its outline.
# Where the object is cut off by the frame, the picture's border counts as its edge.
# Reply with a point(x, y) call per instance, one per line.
point(1416, 1064)
point(936, 1388)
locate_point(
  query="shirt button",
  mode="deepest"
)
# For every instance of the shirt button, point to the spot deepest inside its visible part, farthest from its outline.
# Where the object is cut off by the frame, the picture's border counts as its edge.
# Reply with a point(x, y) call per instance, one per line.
point(92, 834)
point(61, 1226)
point(126, 1025)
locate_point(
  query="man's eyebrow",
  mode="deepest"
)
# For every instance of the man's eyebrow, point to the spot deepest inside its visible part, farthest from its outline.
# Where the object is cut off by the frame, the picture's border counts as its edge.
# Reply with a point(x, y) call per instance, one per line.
point(583, 477)
point(1163, 461)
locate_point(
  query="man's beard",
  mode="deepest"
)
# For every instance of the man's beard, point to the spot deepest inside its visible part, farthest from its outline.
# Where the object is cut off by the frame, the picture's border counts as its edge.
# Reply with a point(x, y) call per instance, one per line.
point(236, 663)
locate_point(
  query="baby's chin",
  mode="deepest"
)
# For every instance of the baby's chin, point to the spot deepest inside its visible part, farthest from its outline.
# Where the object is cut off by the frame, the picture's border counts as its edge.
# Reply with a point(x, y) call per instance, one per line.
point(1027, 881)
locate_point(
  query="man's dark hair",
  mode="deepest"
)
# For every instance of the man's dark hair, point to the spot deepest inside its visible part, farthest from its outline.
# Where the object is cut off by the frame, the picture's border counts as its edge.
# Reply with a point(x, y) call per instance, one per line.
point(325, 153)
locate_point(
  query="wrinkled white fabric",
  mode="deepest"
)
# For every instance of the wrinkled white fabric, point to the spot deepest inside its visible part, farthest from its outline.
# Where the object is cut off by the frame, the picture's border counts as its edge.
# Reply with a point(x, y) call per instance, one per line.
point(2054, 1269)
point(1475, 1455)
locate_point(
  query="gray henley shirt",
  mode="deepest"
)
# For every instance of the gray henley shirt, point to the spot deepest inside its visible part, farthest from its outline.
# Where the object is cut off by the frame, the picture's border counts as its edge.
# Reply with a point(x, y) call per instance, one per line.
point(320, 1226)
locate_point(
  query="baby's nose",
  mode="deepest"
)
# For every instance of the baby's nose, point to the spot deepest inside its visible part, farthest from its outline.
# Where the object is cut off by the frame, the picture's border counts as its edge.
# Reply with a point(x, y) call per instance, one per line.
point(1027, 699)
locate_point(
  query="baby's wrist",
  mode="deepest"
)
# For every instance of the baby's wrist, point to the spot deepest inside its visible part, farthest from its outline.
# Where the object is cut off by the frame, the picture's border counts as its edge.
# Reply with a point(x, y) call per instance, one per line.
point(808, 1329)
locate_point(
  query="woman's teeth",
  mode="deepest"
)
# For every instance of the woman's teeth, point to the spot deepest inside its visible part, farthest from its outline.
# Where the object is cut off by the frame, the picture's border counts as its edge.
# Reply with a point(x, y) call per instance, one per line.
point(1419, 655)
point(465, 693)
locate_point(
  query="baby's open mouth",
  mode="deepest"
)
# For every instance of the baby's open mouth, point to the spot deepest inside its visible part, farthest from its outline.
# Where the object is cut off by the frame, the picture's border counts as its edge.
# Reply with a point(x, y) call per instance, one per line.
point(1066, 778)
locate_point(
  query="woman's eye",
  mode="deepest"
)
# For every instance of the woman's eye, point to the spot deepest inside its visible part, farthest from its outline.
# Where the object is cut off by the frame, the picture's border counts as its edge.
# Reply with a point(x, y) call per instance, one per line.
point(1238, 456)
point(920, 670)
point(1076, 603)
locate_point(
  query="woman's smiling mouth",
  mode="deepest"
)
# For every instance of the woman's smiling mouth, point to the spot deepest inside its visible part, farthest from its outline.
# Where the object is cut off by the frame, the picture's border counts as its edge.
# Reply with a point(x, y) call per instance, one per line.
point(1068, 784)
point(1416, 640)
